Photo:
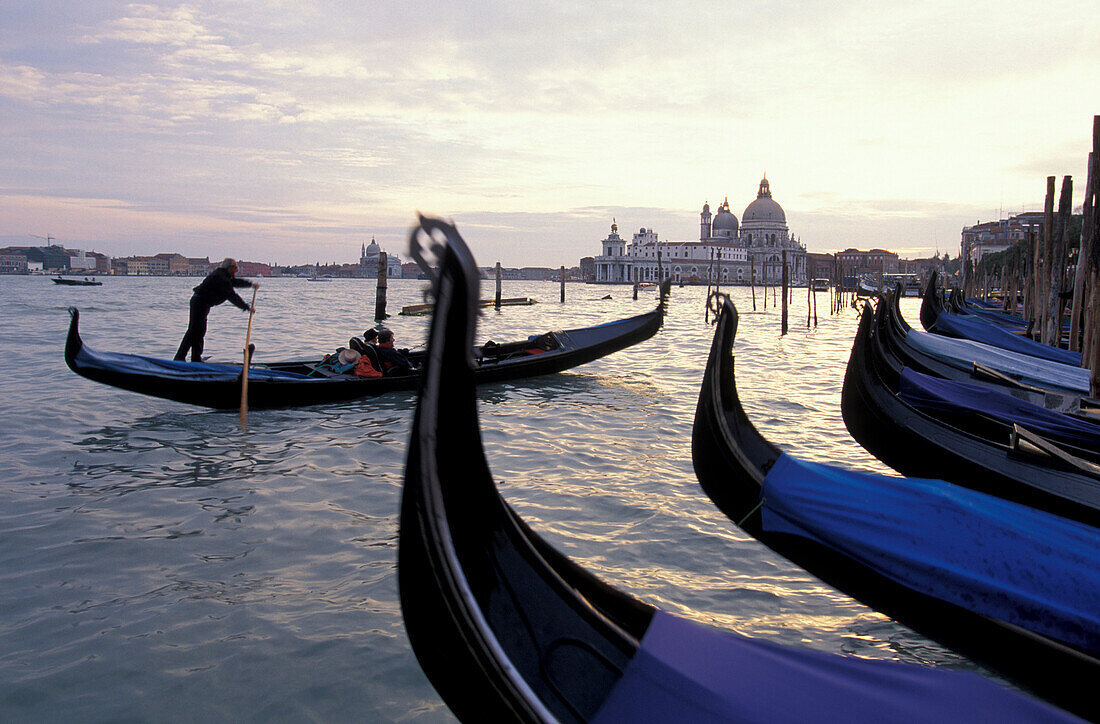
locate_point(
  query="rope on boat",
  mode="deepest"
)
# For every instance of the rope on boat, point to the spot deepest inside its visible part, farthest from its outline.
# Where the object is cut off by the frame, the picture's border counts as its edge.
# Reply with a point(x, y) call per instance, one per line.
point(749, 514)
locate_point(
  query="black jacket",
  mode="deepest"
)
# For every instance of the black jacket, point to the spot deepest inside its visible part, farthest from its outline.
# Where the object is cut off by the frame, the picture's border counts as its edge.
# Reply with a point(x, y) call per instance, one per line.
point(217, 287)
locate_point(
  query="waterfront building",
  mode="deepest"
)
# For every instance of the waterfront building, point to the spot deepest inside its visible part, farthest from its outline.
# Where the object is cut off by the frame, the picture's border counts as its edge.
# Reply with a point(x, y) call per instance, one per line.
point(872, 262)
point(995, 236)
point(368, 261)
point(12, 262)
point(178, 264)
point(727, 252)
point(197, 267)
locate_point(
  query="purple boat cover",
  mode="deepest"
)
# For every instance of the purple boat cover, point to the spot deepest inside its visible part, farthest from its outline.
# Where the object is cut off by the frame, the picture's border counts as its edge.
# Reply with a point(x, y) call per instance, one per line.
point(939, 395)
point(977, 329)
point(685, 672)
point(994, 557)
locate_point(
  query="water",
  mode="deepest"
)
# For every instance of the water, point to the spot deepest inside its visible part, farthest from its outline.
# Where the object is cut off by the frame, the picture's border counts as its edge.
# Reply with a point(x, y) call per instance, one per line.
point(160, 563)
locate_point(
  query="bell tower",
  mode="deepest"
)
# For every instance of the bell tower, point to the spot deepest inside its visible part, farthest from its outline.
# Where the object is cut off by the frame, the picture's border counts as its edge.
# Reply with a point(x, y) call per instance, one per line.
point(704, 222)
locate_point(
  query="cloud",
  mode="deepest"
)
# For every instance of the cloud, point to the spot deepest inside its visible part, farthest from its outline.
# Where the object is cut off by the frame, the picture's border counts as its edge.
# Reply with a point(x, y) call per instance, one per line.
point(304, 120)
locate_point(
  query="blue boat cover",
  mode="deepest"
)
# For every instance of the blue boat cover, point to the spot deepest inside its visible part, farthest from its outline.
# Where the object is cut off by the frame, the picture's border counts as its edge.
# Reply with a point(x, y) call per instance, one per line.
point(195, 371)
point(685, 672)
point(939, 395)
point(1000, 318)
point(977, 329)
point(991, 556)
point(963, 353)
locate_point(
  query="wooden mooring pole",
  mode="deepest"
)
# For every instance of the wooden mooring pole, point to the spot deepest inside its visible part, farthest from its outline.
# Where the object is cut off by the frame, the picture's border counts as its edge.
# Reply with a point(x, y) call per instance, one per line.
point(496, 303)
point(752, 280)
point(1052, 333)
point(783, 314)
point(380, 292)
point(1084, 253)
point(563, 285)
point(1042, 266)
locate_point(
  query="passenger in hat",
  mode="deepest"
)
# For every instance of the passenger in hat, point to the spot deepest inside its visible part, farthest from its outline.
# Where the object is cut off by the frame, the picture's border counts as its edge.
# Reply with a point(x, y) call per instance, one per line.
point(217, 287)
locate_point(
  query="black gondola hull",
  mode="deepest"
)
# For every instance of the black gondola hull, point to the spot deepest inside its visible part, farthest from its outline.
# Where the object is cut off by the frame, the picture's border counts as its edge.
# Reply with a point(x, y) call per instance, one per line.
point(577, 347)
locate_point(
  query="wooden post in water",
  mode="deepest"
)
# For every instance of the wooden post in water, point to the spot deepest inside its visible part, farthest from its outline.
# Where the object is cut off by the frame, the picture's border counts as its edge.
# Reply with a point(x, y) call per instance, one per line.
point(718, 272)
point(710, 279)
point(752, 279)
point(635, 284)
point(660, 269)
point(810, 295)
point(1022, 273)
point(563, 284)
point(783, 314)
point(1057, 266)
point(497, 298)
point(380, 292)
point(1084, 253)
point(815, 303)
point(1042, 270)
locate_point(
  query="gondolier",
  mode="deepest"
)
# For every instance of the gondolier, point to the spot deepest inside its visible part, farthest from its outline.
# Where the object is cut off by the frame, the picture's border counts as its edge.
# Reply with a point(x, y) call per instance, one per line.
point(217, 287)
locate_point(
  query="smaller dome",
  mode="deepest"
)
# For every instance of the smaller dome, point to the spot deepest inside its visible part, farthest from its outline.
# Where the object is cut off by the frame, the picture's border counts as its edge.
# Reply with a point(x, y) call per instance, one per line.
point(725, 223)
point(706, 208)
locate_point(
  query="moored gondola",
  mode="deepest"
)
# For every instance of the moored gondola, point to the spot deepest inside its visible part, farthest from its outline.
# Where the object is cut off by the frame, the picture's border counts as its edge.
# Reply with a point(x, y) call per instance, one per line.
point(964, 359)
point(972, 435)
point(935, 317)
point(508, 629)
point(299, 383)
point(955, 564)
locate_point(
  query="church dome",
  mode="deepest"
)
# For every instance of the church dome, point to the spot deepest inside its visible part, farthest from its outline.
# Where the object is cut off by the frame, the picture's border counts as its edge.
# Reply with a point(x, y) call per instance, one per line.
point(724, 221)
point(764, 208)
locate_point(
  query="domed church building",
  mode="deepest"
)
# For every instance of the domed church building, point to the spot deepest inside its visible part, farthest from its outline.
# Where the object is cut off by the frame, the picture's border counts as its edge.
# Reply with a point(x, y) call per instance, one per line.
point(727, 252)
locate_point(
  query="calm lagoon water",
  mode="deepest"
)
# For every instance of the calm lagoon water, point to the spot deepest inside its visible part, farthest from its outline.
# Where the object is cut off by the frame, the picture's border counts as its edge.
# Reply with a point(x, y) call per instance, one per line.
point(160, 563)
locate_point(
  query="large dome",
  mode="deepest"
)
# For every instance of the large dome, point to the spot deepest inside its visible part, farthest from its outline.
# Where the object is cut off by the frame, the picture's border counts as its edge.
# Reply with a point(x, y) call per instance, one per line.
point(764, 208)
point(724, 221)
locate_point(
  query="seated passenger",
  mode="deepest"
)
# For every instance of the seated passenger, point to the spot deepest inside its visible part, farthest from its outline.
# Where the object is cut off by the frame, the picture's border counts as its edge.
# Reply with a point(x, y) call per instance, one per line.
point(394, 361)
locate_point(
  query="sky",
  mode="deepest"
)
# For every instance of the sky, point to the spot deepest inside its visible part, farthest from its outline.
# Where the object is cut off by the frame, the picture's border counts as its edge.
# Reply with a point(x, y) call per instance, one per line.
point(293, 132)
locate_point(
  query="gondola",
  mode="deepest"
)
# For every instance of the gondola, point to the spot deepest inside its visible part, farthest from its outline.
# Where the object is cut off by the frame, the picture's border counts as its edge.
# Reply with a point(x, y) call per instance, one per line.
point(954, 358)
point(972, 435)
point(937, 318)
point(507, 628)
point(1010, 586)
point(299, 383)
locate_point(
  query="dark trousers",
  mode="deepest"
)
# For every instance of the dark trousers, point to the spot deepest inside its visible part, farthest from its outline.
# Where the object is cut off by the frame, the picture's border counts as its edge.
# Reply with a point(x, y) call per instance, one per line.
point(196, 330)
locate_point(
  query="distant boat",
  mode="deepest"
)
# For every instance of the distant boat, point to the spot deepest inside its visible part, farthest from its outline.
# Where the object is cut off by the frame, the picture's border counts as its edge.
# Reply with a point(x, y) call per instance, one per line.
point(321, 279)
point(77, 282)
point(821, 285)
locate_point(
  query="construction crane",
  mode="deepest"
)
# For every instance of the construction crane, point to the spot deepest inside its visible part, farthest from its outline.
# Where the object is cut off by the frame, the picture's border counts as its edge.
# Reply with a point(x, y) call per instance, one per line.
point(49, 239)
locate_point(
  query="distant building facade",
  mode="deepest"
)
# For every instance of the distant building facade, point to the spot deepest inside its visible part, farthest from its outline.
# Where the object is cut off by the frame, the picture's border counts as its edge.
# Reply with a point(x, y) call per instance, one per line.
point(368, 262)
point(727, 251)
point(995, 236)
point(875, 261)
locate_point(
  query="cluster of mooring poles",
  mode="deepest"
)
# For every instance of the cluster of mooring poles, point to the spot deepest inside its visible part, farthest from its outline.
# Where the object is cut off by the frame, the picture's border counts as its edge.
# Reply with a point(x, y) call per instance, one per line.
point(1054, 271)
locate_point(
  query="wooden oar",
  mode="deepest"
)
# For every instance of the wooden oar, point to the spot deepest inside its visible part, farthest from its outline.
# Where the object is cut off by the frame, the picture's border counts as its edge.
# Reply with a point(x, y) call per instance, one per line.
point(247, 360)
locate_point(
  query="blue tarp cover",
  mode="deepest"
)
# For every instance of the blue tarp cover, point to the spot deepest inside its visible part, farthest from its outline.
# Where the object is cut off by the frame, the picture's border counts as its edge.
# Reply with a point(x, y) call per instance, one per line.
point(963, 353)
point(685, 672)
point(979, 330)
point(935, 394)
point(997, 558)
point(197, 371)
